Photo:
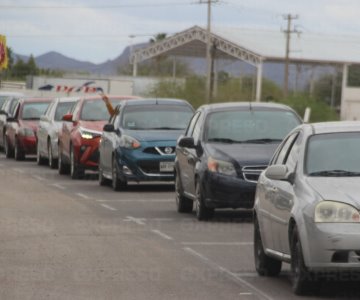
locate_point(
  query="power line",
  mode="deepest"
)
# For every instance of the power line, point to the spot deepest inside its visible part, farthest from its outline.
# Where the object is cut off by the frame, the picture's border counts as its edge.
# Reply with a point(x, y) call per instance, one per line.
point(95, 6)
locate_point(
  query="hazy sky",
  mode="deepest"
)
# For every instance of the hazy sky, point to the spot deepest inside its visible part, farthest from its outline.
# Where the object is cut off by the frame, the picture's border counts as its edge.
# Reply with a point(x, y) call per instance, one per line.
point(96, 31)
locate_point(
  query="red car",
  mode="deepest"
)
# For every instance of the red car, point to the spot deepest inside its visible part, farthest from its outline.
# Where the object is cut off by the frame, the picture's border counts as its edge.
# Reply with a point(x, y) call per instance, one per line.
point(80, 135)
point(20, 132)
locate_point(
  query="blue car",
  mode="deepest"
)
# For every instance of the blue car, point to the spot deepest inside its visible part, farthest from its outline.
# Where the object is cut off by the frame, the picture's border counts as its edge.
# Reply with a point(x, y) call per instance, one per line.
point(139, 142)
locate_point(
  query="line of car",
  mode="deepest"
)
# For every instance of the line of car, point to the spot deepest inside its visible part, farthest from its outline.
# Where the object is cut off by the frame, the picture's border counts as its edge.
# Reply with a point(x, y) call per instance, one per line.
point(300, 179)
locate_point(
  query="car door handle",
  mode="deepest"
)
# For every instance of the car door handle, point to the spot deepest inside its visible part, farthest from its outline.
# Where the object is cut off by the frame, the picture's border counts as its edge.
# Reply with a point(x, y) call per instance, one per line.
point(191, 161)
point(274, 189)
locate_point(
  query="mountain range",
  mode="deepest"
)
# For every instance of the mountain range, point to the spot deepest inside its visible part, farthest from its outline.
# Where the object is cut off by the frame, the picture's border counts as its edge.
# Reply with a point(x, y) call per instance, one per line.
point(273, 71)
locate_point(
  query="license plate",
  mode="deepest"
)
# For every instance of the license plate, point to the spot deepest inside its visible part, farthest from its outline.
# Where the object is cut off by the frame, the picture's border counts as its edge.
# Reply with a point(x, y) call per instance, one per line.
point(167, 166)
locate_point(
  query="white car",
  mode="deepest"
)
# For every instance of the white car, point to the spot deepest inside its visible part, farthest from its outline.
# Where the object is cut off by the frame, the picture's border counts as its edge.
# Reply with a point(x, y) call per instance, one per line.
point(50, 123)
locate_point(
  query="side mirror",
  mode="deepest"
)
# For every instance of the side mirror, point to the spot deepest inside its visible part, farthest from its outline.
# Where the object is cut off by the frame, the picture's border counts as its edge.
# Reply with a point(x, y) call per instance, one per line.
point(109, 128)
point(67, 118)
point(277, 172)
point(186, 142)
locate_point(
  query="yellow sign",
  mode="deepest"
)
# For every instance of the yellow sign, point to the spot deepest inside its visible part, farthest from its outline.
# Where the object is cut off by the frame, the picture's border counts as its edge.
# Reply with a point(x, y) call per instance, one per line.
point(3, 53)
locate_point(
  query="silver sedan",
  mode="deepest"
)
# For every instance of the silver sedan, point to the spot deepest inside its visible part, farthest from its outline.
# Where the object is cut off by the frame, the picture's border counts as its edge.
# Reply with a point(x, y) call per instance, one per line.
point(49, 126)
point(307, 206)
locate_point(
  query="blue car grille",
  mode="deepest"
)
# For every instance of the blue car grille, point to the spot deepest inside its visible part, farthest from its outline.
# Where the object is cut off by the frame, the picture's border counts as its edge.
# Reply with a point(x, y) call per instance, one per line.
point(160, 150)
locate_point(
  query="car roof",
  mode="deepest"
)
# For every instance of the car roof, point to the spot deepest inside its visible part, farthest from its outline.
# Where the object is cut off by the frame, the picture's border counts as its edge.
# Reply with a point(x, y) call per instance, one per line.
point(99, 97)
point(336, 126)
point(36, 99)
point(155, 101)
point(252, 105)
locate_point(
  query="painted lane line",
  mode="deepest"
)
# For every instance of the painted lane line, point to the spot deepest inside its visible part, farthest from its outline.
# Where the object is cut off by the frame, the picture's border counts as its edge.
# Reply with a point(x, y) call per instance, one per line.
point(17, 170)
point(163, 235)
point(108, 207)
point(38, 177)
point(218, 243)
point(245, 294)
point(83, 196)
point(161, 219)
point(59, 186)
point(139, 221)
point(133, 200)
point(230, 274)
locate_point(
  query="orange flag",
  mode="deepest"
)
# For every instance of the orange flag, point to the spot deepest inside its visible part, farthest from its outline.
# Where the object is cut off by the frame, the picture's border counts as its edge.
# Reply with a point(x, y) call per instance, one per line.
point(3, 53)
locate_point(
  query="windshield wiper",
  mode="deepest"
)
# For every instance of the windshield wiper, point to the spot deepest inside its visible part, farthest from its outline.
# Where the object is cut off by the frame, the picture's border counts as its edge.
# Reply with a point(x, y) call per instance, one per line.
point(334, 173)
point(224, 140)
point(262, 141)
point(164, 128)
point(34, 118)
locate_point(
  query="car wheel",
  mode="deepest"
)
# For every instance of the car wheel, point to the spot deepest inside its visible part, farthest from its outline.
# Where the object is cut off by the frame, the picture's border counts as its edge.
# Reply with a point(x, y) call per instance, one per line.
point(183, 204)
point(302, 280)
point(39, 159)
point(117, 183)
point(52, 160)
point(75, 171)
point(62, 167)
point(18, 153)
point(264, 264)
point(9, 153)
point(203, 213)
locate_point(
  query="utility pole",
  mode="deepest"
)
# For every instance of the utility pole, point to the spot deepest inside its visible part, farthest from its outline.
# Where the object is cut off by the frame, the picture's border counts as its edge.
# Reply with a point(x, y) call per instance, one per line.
point(288, 33)
point(209, 58)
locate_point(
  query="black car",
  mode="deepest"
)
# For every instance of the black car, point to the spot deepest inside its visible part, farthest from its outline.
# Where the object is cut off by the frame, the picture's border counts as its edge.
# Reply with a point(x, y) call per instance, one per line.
point(139, 142)
point(225, 148)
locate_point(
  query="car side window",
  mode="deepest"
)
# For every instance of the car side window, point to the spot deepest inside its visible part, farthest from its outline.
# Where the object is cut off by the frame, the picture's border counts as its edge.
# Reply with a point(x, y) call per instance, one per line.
point(75, 111)
point(197, 129)
point(13, 107)
point(293, 154)
point(282, 153)
point(192, 122)
point(49, 109)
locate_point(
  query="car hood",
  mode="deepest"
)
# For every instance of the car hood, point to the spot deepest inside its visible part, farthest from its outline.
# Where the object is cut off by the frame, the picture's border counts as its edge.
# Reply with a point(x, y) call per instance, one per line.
point(93, 125)
point(154, 135)
point(243, 154)
point(343, 189)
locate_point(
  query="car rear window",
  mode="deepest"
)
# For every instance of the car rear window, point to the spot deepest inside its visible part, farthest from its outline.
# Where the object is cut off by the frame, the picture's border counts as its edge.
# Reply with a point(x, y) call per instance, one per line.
point(95, 110)
point(156, 117)
point(34, 110)
point(249, 125)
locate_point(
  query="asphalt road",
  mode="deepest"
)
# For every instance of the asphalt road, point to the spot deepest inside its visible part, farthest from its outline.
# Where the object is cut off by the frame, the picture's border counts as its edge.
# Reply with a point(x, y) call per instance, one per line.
point(66, 239)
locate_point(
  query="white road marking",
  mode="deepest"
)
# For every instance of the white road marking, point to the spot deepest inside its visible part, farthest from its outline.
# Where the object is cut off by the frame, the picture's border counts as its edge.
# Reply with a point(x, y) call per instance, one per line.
point(108, 207)
point(83, 196)
point(17, 170)
point(59, 186)
point(161, 219)
point(38, 177)
point(134, 200)
point(139, 221)
point(218, 243)
point(230, 274)
point(246, 294)
point(163, 235)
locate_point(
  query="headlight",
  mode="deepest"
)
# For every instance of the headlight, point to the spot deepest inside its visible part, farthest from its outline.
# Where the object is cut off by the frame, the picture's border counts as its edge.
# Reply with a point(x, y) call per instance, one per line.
point(89, 134)
point(26, 132)
point(129, 142)
point(220, 166)
point(336, 212)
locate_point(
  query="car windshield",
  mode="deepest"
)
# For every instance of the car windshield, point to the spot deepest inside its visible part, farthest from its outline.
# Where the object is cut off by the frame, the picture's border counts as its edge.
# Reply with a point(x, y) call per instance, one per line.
point(95, 110)
point(244, 126)
point(34, 110)
point(62, 109)
point(156, 117)
point(333, 154)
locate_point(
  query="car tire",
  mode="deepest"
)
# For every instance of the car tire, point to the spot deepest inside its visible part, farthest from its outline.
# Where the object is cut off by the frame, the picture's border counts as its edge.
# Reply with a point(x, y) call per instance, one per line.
point(18, 153)
point(183, 204)
point(264, 264)
point(117, 183)
point(39, 159)
point(303, 282)
point(75, 171)
point(9, 153)
point(62, 167)
point(52, 160)
point(203, 213)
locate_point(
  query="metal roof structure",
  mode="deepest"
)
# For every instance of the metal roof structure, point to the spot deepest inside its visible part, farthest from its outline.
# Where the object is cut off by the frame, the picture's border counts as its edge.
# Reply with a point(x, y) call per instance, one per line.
point(255, 46)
